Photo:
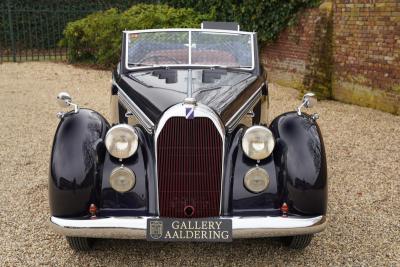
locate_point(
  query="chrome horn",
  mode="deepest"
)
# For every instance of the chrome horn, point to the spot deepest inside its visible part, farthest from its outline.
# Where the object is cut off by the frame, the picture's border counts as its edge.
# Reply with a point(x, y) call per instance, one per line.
point(64, 100)
point(309, 101)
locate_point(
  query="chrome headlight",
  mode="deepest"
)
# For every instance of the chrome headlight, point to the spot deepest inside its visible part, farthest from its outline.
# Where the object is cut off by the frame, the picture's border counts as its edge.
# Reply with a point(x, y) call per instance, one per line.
point(258, 142)
point(122, 179)
point(256, 180)
point(122, 141)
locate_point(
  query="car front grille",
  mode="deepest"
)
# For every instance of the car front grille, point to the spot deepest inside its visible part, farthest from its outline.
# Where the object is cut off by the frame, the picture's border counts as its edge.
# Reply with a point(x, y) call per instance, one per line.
point(189, 167)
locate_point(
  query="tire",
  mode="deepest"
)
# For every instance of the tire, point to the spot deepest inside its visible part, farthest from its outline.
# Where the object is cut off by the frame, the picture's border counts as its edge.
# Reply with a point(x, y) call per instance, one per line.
point(80, 243)
point(298, 241)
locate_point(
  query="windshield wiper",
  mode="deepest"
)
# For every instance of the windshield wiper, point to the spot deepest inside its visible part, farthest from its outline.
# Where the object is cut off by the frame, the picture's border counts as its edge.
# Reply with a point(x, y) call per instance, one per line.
point(140, 64)
point(232, 67)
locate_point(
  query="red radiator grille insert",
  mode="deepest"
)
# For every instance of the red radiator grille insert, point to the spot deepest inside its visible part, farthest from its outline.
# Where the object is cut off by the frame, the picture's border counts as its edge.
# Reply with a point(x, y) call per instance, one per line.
point(189, 164)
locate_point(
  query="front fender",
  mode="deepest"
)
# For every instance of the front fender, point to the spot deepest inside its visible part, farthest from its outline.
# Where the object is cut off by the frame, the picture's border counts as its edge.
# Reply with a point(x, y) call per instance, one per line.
point(301, 163)
point(76, 159)
point(237, 200)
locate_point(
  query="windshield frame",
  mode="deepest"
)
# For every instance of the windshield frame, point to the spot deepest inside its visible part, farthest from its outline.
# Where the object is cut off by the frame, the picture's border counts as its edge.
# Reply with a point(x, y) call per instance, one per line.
point(189, 30)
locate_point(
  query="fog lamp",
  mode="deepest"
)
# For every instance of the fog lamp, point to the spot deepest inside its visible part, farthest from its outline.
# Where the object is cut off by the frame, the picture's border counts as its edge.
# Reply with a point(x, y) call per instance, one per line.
point(122, 179)
point(256, 180)
point(258, 142)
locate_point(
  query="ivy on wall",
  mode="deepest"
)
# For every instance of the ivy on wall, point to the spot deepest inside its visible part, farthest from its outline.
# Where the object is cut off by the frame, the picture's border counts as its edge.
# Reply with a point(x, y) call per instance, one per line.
point(267, 17)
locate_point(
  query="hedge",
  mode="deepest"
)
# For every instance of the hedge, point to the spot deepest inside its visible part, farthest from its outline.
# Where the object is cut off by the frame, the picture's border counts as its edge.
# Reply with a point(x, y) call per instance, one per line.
point(97, 38)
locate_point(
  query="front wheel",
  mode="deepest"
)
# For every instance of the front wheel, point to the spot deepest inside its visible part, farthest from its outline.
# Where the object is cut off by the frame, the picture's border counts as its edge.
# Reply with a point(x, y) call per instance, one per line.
point(298, 241)
point(80, 243)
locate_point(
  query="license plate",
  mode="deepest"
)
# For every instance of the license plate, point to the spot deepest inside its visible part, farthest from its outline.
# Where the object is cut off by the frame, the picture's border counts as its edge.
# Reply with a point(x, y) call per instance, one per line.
point(193, 230)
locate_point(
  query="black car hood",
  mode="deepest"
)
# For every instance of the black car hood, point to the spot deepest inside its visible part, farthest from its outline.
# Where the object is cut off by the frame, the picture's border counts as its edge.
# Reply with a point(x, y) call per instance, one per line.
point(154, 94)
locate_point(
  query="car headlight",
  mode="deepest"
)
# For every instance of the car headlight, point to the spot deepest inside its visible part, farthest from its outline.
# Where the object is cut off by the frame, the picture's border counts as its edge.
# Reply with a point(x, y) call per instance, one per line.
point(121, 141)
point(256, 180)
point(122, 179)
point(258, 142)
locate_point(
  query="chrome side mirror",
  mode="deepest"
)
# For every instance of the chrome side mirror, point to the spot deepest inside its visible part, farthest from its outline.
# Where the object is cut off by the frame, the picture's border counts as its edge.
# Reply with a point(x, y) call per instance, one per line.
point(64, 99)
point(309, 101)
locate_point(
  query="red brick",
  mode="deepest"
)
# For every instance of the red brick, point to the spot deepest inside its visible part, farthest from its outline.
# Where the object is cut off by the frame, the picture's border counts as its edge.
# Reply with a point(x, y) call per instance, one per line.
point(366, 43)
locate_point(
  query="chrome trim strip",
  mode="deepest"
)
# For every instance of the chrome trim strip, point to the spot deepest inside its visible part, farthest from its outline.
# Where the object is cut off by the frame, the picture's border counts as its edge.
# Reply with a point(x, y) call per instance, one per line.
point(190, 48)
point(186, 29)
point(264, 110)
point(200, 110)
point(135, 227)
point(114, 109)
point(128, 103)
point(189, 84)
point(240, 113)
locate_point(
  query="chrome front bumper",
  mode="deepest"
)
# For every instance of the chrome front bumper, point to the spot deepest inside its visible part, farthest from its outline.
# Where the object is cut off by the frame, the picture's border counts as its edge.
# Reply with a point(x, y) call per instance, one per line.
point(135, 227)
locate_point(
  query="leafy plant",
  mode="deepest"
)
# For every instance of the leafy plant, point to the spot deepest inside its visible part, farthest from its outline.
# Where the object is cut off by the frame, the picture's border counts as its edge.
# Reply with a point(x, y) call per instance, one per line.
point(267, 17)
point(97, 37)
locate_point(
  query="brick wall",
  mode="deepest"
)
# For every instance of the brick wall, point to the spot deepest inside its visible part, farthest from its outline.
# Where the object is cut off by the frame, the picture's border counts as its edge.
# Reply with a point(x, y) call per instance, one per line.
point(362, 50)
point(367, 53)
point(287, 58)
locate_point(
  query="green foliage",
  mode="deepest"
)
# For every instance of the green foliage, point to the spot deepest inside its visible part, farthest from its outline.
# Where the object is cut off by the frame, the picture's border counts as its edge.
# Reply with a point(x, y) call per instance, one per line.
point(97, 38)
point(267, 17)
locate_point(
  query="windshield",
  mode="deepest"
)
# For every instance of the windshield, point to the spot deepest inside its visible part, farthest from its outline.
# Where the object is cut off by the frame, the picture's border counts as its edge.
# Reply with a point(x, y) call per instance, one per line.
point(190, 47)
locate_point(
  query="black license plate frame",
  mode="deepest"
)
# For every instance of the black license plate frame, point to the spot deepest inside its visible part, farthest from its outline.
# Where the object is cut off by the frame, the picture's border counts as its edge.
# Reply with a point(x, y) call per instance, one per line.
point(189, 230)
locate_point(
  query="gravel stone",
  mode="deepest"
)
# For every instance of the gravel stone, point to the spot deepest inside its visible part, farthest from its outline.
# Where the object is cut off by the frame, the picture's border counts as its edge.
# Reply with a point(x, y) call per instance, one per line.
point(363, 150)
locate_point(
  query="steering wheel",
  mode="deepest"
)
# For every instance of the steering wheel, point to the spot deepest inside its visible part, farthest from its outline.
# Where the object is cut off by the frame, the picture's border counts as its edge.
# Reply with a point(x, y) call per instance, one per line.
point(158, 57)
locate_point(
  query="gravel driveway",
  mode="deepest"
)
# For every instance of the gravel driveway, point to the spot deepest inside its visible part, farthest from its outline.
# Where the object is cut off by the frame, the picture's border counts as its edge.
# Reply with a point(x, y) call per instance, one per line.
point(363, 149)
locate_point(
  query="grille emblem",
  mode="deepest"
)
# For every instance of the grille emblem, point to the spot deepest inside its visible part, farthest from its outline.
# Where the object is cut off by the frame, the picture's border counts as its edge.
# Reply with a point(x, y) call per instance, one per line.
point(190, 113)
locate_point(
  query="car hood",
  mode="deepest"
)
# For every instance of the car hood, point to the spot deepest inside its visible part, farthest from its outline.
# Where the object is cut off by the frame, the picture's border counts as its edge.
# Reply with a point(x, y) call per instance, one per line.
point(154, 93)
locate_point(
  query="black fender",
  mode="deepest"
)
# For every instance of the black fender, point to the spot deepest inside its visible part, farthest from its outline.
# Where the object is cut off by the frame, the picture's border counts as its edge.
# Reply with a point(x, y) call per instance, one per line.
point(76, 160)
point(300, 161)
point(141, 200)
point(236, 199)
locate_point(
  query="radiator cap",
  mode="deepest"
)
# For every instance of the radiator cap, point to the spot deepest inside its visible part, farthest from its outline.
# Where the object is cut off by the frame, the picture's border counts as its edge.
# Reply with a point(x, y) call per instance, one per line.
point(190, 101)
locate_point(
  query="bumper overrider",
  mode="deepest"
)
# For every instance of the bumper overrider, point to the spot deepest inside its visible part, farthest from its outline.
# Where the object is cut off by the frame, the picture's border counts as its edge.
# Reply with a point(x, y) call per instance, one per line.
point(136, 227)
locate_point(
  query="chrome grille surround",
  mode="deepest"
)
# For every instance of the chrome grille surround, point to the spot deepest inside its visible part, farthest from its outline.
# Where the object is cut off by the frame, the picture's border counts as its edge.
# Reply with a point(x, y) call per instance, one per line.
point(200, 111)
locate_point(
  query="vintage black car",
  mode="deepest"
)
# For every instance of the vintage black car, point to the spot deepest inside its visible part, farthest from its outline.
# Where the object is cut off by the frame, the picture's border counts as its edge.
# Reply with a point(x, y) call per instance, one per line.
point(189, 154)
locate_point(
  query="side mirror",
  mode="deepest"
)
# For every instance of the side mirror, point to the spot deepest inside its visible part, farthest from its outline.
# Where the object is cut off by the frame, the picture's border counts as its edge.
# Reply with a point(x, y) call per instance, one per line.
point(64, 99)
point(309, 101)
